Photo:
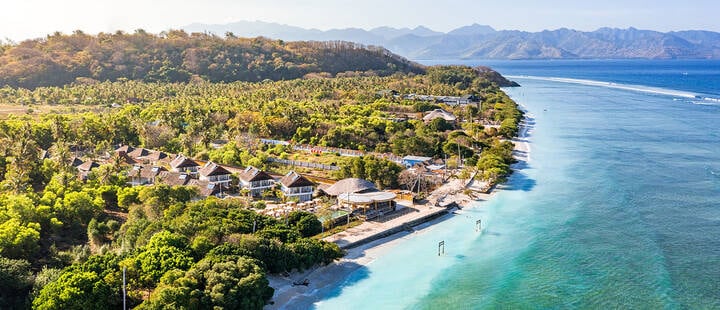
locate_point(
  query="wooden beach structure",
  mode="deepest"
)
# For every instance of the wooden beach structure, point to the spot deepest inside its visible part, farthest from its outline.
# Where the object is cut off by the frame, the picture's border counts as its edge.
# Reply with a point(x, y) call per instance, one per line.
point(362, 198)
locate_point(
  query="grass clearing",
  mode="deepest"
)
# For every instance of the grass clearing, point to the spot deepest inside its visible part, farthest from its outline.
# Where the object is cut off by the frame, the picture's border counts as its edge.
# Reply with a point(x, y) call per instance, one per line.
point(35, 111)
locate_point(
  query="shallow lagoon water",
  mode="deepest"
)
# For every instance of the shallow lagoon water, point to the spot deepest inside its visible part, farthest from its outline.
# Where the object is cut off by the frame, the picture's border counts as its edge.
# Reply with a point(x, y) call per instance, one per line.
point(618, 207)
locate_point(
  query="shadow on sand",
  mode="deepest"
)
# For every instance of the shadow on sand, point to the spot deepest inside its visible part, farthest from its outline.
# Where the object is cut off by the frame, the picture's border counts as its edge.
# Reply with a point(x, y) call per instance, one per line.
point(519, 181)
point(358, 273)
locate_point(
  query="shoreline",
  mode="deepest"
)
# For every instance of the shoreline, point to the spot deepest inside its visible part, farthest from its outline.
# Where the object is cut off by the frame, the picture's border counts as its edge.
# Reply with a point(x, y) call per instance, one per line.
point(324, 280)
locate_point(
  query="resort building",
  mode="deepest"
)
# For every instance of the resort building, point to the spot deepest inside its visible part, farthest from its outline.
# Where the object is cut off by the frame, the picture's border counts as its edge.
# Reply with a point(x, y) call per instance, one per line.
point(449, 100)
point(411, 160)
point(452, 100)
point(44, 154)
point(362, 198)
point(255, 180)
point(138, 154)
point(124, 149)
point(135, 176)
point(142, 175)
point(173, 178)
point(207, 189)
point(75, 162)
point(85, 168)
point(369, 205)
point(274, 142)
point(215, 174)
point(216, 144)
point(297, 186)
point(440, 113)
point(349, 185)
point(122, 155)
point(184, 164)
point(157, 157)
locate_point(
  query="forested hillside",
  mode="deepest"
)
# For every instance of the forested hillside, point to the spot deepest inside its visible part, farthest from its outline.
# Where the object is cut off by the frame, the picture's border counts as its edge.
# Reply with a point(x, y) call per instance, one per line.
point(177, 56)
point(339, 112)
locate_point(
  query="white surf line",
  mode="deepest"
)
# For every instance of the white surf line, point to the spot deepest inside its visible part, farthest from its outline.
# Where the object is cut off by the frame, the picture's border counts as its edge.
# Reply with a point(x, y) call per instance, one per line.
point(630, 87)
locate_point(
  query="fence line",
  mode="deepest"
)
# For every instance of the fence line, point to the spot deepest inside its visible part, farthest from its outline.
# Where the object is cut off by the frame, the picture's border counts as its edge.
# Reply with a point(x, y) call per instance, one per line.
point(337, 150)
point(303, 164)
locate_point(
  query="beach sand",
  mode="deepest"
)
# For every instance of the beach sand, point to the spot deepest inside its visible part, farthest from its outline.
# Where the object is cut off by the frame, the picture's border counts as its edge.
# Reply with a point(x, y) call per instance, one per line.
point(324, 280)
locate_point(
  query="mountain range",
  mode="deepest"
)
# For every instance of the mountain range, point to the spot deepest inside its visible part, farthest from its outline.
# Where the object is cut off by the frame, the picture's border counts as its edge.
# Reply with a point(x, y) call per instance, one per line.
point(483, 42)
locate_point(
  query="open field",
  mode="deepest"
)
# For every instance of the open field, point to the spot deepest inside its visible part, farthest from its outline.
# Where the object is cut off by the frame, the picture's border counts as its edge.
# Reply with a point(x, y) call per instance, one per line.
point(6, 110)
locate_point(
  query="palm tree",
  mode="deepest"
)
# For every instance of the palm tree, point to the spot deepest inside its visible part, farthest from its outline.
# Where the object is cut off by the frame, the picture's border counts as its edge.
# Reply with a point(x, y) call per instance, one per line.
point(60, 152)
point(16, 180)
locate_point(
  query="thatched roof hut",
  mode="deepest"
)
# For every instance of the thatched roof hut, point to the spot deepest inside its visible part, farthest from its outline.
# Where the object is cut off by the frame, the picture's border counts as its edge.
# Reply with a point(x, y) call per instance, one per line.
point(350, 185)
point(440, 113)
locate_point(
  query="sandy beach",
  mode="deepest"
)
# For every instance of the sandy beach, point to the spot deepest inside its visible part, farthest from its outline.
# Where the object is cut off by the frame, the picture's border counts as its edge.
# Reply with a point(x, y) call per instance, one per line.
point(324, 280)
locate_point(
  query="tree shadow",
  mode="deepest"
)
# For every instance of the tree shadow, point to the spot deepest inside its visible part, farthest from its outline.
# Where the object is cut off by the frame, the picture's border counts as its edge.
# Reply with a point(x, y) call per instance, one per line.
point(360, 273)
point(519, 180)
point(350, 272)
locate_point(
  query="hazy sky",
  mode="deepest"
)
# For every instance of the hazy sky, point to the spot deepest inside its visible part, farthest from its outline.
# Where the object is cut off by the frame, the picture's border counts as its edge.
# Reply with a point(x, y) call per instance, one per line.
point(20, 19)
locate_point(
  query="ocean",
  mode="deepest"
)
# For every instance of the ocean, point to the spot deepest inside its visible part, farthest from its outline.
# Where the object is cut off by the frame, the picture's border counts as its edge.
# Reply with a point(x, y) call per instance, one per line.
point(618, 205)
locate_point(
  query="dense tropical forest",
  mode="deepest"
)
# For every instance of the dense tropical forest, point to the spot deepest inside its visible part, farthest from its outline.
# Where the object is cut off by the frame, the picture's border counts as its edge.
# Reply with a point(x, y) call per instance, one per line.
point(64, 242)
point(176, 56)
point(339, 112)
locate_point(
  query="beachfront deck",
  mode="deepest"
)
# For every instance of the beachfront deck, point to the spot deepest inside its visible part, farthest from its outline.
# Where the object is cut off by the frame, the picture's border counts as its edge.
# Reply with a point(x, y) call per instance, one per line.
point(410, 215)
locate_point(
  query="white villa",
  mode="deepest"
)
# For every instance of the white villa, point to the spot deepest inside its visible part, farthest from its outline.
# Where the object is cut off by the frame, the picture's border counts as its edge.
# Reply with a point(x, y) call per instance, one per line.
point(255, 180)
point(215, 174)
point(296, 185)
point(184, 164)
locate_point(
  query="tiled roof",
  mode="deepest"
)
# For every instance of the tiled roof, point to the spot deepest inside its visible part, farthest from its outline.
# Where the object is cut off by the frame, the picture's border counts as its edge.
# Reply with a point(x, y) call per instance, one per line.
point(205, 188)
point(125, 148)
point(149, 172)
point(128, 160)
point(181, 162)
point(139, 152)
point(212, 168)
point(251, 174)
point(294, 179)
point(88, 165)
point(173, 178)
point(75, 162)
point(156, 156)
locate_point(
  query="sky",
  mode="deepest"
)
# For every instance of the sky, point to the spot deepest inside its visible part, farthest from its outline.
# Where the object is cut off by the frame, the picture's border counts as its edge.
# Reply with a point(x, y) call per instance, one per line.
point(23, 19)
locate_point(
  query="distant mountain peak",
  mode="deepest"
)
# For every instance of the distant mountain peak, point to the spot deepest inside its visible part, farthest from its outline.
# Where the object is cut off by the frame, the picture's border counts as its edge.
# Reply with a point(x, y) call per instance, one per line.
point(474, 29)
point(390, 33)
point(484, 42)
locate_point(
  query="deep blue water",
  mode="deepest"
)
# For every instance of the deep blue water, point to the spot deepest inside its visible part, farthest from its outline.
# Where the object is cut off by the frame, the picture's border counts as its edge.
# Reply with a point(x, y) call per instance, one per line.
point(701, 76)
point(618, 206)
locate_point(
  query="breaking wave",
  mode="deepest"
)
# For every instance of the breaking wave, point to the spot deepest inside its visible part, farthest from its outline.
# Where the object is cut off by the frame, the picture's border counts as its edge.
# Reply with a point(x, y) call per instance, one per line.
point(694, 97)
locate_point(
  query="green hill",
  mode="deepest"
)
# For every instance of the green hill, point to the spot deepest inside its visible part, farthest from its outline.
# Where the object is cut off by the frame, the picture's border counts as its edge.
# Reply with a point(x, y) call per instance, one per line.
point(177, 56)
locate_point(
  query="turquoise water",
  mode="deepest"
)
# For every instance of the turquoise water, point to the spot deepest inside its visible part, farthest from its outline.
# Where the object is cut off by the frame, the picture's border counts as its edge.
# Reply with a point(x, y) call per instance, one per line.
point(617, 207)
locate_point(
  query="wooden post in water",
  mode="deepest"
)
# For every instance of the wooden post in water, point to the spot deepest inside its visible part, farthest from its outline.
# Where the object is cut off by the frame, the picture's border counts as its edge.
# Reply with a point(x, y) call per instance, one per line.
point(478, 225)
point(441, 247)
